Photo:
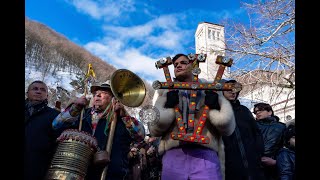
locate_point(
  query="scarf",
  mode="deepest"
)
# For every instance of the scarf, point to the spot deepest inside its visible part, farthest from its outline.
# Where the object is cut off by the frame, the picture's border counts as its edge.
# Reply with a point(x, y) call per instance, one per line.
point(31, 109)
point(184, 100)
point(106, 114)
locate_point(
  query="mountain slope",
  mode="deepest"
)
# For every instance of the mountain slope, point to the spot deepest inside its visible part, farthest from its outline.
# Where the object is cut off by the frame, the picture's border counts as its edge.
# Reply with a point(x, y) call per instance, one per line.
point(62, 64)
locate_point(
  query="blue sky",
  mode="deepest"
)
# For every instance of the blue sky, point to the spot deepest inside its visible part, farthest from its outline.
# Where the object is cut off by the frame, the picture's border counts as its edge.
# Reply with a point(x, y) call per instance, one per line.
point(132, 34)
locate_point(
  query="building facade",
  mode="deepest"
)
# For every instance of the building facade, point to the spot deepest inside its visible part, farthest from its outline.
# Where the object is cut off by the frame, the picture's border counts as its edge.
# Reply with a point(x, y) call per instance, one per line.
point(209, 39)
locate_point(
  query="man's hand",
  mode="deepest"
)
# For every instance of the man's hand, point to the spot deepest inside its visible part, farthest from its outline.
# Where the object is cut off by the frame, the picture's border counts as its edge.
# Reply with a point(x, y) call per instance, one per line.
point(172, 99)
point(268, 161)
point(81, 102)
point(78, 105)
point(117, 105)
point(133, 152)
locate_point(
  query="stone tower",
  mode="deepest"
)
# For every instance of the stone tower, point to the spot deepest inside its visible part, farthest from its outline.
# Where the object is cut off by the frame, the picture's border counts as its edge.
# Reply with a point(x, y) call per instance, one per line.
point(210, 40)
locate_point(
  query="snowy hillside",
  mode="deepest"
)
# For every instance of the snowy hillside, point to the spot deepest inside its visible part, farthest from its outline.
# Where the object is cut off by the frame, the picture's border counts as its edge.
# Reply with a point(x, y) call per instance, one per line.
point(62, 78)
point(60, 81)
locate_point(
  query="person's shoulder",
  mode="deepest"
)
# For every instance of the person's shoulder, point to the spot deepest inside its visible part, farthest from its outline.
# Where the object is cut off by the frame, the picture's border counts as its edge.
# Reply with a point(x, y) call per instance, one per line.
point(88, 110)
point(52, 110)
point(285, 152)
point(244, 107)
point(281, 124)
point(51, 113)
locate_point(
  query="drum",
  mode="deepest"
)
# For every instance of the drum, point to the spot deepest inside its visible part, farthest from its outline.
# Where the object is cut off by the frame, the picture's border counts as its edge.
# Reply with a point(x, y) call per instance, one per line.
point(74, 153)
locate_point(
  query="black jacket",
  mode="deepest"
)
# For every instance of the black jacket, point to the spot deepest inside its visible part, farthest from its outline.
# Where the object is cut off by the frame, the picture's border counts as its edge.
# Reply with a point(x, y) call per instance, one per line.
point(273, 134)
point(252, 143)
point(39, 141)
point(286, 164)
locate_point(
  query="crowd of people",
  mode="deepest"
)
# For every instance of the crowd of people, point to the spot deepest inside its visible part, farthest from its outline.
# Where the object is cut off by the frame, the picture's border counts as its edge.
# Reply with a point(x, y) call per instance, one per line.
point(243, 145)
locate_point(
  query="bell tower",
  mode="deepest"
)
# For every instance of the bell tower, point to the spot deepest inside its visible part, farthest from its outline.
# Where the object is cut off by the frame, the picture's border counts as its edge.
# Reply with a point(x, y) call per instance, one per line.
point(209, 39)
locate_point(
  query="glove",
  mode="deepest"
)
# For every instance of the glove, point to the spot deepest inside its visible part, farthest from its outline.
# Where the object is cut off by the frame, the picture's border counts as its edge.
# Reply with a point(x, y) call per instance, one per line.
point(172, 99)
point(211, 100)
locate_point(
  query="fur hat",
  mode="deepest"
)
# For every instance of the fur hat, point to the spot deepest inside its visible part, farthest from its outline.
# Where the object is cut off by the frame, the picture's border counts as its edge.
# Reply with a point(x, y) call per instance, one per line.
point(104, 87)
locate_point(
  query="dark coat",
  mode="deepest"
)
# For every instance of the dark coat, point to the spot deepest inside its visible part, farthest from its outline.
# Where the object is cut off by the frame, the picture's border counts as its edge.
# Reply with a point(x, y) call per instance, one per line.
point(253, 147)
point(39, 141)
point(286, 164)
point(119, 165)
point(273, 135)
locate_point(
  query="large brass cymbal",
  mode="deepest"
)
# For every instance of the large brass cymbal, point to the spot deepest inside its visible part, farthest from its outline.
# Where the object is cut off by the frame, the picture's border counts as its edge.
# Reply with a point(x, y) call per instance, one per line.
point(128, 88)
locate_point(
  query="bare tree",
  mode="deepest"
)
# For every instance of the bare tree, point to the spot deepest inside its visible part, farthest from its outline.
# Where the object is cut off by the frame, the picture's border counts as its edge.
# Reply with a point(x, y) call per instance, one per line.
point(266, 43)
point(263, 50)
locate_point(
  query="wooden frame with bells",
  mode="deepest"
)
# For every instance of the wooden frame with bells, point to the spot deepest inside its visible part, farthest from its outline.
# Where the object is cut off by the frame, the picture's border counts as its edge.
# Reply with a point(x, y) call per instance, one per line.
point(193, 133)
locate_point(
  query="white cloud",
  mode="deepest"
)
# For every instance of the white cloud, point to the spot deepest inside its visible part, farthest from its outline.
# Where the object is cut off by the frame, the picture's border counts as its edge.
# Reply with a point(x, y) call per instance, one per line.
point(135, 61)
point(106, 49)
point(130, 58)
point(168, 39)
point(132, 47)
point(160, 32)
point(168, 21)
point(88, 7)
point(136, 32)
point(162, 23)
point(106, 9)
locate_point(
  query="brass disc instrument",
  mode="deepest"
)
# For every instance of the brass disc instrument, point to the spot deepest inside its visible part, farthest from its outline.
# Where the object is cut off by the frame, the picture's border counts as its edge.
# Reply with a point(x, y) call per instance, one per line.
point(128, 88)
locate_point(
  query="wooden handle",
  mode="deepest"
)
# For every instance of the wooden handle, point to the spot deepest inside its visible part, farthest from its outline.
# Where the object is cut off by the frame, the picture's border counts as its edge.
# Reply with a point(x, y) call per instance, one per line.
point(109, 144)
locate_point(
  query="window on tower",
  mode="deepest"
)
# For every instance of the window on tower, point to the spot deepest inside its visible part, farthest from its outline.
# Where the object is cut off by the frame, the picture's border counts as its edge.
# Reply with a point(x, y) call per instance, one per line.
point(209, 34)
point(213, 35)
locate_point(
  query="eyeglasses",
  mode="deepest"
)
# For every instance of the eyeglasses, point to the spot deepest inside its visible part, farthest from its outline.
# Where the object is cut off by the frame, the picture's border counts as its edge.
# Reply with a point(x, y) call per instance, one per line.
point(259, 110)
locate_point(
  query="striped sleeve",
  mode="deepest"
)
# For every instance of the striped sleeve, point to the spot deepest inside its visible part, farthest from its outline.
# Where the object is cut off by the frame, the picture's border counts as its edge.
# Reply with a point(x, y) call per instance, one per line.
point(66, 117)
point(135, 128)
